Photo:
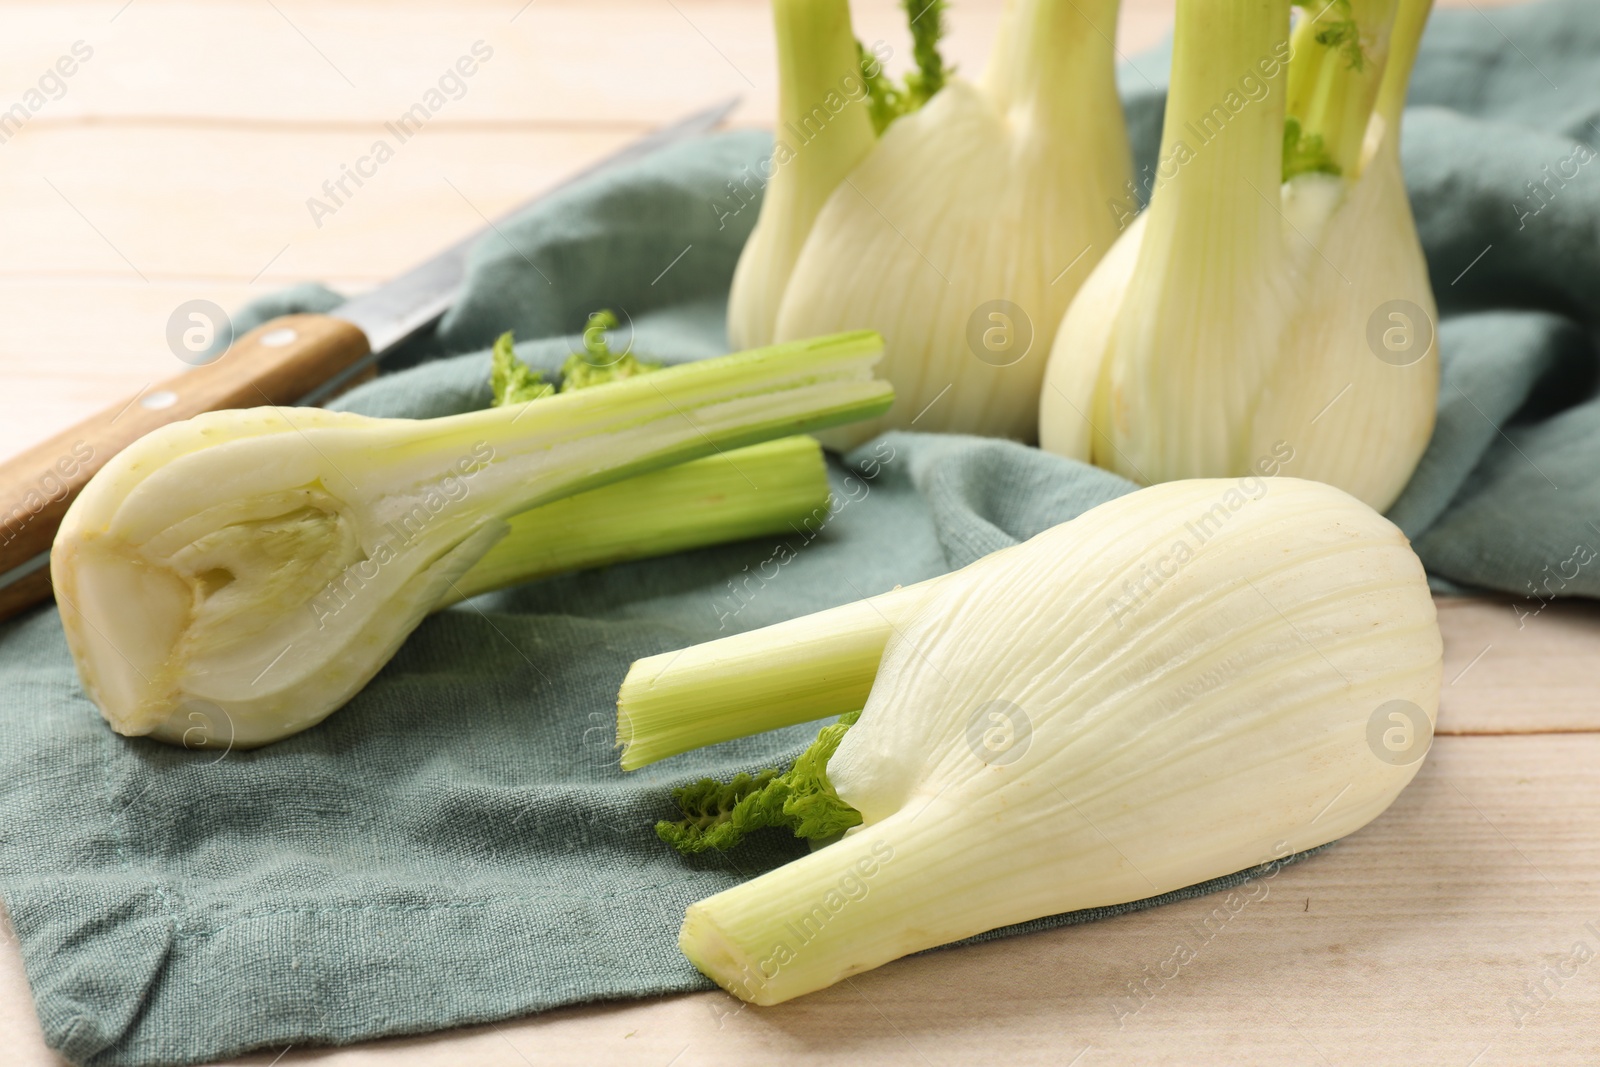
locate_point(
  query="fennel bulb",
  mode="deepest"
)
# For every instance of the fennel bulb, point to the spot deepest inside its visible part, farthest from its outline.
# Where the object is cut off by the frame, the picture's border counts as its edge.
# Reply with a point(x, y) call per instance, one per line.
point(960, 235)
point(1275, 289)
point(193, 572)
point(1182, 683)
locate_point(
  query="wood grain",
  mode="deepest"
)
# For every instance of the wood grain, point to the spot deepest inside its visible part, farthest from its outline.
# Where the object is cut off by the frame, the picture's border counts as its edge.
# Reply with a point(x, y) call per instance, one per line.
point(1510, 667)
point(91, 284)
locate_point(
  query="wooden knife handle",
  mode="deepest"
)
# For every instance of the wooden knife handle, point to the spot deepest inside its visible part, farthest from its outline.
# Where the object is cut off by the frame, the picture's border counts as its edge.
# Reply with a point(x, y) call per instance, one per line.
point(276, 363)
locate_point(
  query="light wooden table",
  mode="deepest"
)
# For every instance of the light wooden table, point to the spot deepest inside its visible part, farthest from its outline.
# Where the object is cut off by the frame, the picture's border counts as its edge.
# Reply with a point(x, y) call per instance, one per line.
point(177, 164)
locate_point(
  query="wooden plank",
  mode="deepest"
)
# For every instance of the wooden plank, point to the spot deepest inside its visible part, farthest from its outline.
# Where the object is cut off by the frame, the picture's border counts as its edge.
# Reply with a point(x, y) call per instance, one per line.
point(96, 263)
point(1404, 944)
point(232, 205)
point(20, 1034)
point(69, 348)
point(578, 63)
point(1512, 666)
point(573, 63)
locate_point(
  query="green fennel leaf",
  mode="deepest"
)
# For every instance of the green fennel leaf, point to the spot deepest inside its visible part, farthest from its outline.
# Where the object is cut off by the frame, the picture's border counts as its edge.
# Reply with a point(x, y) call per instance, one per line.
point(927, 27)
point(719, 815)
point(513, 381)
point(1304, 153)
point(1344, 34)
point(887, 100)
point(597, 364)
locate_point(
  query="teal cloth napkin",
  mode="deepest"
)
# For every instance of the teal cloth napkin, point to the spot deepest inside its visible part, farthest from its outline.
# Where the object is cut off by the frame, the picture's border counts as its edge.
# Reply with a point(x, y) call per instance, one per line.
point(458, 845)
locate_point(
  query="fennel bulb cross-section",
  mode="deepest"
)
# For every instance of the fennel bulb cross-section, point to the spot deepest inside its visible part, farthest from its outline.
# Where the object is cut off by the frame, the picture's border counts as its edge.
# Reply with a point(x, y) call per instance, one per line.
point(1275, 292)
point(1186, 682)
point(232, 579)
point(963, 232)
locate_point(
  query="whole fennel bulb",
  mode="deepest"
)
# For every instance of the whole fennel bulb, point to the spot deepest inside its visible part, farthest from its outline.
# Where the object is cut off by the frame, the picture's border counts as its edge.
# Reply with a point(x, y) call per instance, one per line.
point(1185, 682)
point(197, 573)
point(1274, 292)
point(962, 233)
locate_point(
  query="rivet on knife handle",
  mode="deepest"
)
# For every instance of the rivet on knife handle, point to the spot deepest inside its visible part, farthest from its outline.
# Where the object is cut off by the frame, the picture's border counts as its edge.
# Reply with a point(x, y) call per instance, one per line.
point(277, 363)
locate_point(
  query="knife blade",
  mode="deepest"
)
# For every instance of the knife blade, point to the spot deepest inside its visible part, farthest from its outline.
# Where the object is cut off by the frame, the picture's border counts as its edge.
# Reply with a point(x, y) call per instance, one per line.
point(294, 359)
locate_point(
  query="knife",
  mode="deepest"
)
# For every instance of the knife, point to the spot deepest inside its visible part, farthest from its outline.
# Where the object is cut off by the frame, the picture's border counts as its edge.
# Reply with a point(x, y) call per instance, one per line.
point(294, 359)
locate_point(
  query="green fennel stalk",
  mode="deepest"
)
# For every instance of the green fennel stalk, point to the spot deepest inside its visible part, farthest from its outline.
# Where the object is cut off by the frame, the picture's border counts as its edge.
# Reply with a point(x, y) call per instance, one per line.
point(834, 100)
point(1340, 58)
point(824, 130)
point(756, 491)
point(746, 492)
point(791, 673)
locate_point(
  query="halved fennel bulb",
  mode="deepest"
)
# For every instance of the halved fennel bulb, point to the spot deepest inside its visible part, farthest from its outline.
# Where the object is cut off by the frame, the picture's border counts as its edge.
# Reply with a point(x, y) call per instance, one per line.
point(234, 578)
point(1274, 297)
point(1183, 683)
